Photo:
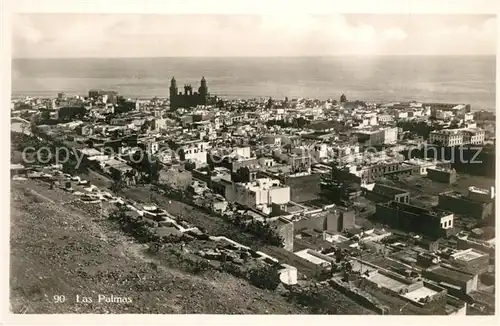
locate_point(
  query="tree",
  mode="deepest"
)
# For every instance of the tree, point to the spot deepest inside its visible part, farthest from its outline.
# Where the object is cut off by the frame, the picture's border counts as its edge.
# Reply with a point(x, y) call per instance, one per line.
point(266, 277)
point(343, 98)
point(117, 186)
point(146, 126)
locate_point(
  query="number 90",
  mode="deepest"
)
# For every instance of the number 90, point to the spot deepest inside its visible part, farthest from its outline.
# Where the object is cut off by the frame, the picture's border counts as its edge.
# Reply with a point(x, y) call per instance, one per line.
point(59, 298)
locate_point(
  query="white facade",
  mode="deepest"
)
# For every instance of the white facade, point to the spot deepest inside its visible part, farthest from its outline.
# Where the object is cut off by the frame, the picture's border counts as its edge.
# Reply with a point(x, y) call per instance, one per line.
point(468, 116)
point(320, 152)
point(390, 135)
point(479, 194)
point(159, 124)
point(196, 152)
point(474, 136)
point(422, 164)
point(457, 137)
point(447, 221)
point(152, 147)
point(443, 115)
point(446, 137)
point(384, 118)
point(259, 193)
point(402, 115)
point(242, 152)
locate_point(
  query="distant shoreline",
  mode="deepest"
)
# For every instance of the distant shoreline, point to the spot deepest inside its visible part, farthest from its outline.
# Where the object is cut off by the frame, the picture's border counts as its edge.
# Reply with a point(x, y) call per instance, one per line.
point(18, 97)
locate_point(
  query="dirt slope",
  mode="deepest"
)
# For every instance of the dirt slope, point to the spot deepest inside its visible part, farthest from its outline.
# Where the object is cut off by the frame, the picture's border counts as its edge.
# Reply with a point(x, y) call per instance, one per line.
point(58, 248)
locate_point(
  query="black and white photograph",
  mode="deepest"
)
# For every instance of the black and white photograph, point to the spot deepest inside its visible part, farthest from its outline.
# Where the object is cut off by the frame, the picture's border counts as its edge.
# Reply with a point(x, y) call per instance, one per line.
point(252, 163)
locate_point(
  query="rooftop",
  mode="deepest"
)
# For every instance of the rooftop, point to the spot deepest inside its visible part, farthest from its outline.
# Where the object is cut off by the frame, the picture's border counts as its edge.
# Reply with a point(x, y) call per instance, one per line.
point(313, 259)
point(468, 255)
point(452, 273)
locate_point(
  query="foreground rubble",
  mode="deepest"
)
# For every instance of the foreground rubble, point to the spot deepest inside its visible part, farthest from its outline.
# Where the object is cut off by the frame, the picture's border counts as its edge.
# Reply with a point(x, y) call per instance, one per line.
point(66, 250)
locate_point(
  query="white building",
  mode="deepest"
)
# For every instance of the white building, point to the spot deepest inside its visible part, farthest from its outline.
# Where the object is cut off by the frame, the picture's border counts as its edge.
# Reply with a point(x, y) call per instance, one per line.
point(474, 136)
point(447, 137)
point(481, 195)
point(259, 193)
point(159, 124)
point(320, 152)
point(243, 152)
point(196, 152)
point(447, 221)
point(384, 118)
point(457, 137)
point(390, 135)
point(402, 115)
point(443, 115)
point(422, 164)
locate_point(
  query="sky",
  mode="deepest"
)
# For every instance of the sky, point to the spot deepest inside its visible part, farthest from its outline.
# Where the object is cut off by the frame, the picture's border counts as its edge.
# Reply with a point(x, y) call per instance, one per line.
point(147, 35)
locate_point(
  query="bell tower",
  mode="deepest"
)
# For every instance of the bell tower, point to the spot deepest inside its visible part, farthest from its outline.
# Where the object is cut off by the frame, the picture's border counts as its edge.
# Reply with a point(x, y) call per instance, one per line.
point(173, 88)
point(203, 91)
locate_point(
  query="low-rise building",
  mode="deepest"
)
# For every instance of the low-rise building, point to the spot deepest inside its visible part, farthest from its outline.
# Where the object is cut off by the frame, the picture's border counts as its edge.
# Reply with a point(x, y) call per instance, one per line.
point(472, 206)
point(456, 281)
point(446, 137)
point(195, 152)
point(409, 218)
point(421, 164)
point(384, 193)
point(457, 137)
point(448, 176)
point(258, 193)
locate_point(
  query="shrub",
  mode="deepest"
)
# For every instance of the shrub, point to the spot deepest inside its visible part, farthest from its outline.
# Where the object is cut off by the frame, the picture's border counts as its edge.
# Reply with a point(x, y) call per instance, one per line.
point(266, 277)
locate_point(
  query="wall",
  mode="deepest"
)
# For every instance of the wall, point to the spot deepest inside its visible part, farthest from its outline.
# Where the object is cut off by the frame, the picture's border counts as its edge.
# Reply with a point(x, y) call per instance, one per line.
point(288, 275)
point(409, 221)
point(303, 188)
point(194, 154)
point(347, 220)
point(361, 297)
point(464, 206)
point(465, 286)
point(378, 197)
point(448, 177)
point(466, 244)
point(234, 165)
point(390, 135)
point(201, 176)
point(328, 221)
point(286, 231)
point(480, 197)
point(475, 266)
point(279, 195)
point(242, 151)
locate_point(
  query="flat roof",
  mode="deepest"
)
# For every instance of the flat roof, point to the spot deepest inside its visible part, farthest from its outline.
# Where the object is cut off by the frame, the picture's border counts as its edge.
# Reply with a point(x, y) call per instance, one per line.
point(386, 281)
point(452, 273)
point(468, 255)
point(420, 293)
point(307, 256)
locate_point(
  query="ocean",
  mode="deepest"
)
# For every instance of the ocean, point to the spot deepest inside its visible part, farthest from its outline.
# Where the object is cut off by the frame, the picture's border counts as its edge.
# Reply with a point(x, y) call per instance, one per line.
point(466, 79)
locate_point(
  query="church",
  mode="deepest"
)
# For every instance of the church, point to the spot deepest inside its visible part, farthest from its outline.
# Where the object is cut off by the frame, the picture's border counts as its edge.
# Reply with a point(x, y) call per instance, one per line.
point(188, 98)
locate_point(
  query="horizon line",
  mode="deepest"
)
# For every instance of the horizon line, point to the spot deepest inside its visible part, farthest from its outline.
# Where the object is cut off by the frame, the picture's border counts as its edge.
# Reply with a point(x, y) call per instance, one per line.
point(265, 56)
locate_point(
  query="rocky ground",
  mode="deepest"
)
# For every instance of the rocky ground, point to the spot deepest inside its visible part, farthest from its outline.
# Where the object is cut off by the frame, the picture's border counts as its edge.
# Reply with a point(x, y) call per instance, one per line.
point(62, 248)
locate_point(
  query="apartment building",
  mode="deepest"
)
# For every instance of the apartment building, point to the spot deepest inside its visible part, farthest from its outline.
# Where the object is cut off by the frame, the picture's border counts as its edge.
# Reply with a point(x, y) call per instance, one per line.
point(457, 137)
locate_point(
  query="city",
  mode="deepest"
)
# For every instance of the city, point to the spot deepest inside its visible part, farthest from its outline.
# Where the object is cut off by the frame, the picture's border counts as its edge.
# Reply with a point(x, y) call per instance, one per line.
point(299, 205)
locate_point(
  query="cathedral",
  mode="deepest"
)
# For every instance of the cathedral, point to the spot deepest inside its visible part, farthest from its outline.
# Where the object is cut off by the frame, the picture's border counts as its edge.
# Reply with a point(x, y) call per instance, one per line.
point(188, 98)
